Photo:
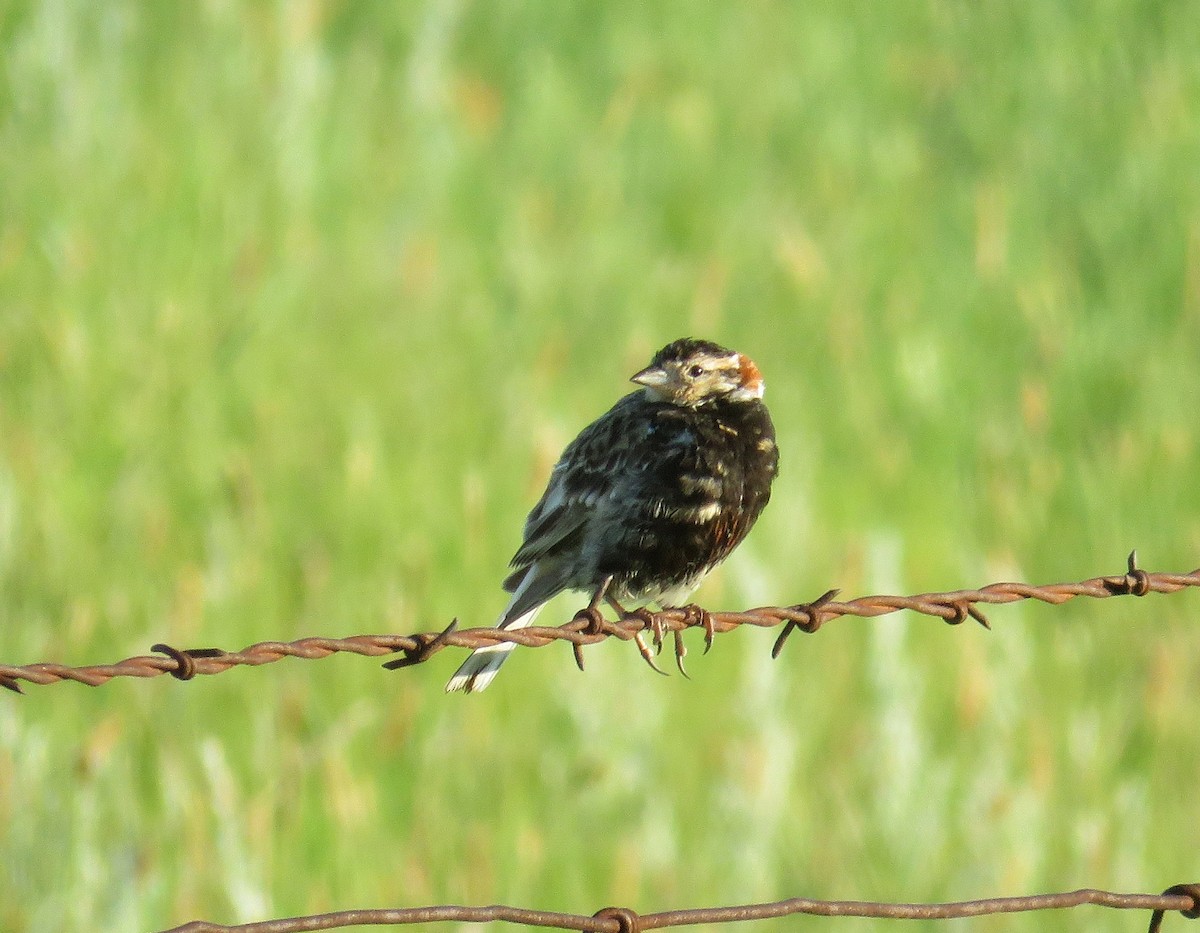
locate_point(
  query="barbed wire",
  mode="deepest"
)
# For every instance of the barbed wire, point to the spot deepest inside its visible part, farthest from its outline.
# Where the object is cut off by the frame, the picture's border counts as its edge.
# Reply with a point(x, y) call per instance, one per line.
point(589, 627)
point(1184, 898)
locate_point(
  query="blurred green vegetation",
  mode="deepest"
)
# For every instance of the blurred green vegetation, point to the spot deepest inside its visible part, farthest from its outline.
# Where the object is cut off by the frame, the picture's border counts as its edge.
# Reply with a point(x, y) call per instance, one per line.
point(299, 302)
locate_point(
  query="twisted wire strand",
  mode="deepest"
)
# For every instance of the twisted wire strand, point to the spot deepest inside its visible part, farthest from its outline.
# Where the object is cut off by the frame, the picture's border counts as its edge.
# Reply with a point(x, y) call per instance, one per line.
point(587, 629)
point(1184, 898)
point(952, 607)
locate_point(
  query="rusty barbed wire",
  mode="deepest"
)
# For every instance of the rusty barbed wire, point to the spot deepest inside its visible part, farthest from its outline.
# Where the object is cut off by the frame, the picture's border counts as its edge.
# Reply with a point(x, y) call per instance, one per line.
point(1184, 898)
point(589, 627)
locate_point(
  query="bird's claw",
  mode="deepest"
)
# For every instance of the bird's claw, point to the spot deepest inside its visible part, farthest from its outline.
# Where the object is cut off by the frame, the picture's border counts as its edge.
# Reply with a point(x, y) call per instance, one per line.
point(680, 653)
point(647, 653)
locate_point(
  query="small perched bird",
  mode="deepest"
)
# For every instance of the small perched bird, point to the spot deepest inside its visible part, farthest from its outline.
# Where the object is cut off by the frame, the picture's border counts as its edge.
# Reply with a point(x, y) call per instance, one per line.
point(649, 497)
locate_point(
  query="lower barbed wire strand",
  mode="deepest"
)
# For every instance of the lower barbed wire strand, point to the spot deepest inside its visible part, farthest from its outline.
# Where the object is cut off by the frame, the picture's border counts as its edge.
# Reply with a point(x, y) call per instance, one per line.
point(1184, 898)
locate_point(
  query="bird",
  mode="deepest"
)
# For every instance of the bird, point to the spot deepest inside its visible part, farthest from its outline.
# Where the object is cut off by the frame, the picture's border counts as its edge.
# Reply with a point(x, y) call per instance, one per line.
point(649, 498)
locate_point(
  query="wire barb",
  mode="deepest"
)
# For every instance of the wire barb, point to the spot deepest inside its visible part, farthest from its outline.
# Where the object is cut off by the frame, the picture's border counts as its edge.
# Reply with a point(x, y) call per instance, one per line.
point(1134, 583)
point(804, 616)
point(185, 661)
point(428, 645)
point(1187, 890)
point(629, 921)
point(589, 627)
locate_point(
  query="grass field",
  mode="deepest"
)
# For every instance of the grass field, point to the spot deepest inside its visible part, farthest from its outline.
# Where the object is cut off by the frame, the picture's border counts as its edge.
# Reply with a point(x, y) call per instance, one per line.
point(299, 302)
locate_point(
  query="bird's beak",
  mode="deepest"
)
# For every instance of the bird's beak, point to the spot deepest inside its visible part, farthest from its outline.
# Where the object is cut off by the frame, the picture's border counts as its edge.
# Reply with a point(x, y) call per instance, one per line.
point(652, 377)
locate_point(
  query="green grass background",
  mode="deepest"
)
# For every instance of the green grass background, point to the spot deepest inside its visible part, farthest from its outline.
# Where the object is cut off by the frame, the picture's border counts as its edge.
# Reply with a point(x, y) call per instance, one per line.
point(299, 302)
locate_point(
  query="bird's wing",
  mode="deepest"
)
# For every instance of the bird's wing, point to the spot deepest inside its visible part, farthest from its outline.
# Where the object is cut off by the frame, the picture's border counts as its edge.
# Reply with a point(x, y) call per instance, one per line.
point(584, 477)
point(555, 524)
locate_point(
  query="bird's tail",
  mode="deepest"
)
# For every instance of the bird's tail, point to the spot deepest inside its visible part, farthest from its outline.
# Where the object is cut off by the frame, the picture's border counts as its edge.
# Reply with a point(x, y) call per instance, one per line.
point(481, 667)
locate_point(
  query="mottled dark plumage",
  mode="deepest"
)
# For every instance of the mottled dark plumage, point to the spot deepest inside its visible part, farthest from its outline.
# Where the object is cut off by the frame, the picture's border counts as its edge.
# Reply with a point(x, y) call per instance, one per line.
point(653, 494)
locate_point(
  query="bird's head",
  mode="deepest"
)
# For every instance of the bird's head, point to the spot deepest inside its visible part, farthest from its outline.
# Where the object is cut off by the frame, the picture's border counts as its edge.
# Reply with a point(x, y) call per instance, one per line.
point(692, 373)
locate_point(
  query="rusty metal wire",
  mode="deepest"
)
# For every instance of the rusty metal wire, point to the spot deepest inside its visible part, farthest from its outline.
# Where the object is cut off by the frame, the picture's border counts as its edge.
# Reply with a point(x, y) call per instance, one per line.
point(1184, 898)
point(589, 628)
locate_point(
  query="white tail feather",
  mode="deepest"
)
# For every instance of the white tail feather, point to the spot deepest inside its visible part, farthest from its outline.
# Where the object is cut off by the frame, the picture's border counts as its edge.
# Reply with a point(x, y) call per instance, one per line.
point(481, 667)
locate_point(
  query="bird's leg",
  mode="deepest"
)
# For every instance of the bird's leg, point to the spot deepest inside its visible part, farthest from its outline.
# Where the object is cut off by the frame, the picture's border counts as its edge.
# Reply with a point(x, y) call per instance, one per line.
point(648, 620)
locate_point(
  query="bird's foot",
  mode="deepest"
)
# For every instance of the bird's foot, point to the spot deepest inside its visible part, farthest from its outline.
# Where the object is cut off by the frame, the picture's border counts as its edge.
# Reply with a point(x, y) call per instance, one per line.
point(653, 624)
point(649, 622)
point(593, 619)
point(595, 623)
point(694, 615)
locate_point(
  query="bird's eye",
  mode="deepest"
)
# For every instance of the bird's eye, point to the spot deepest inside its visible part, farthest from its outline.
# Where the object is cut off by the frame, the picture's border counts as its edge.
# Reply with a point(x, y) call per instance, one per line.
point(696, 371)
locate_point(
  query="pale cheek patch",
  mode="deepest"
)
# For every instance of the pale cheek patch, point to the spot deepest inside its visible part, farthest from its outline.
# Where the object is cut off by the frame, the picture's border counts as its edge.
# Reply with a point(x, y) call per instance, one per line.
point(748, 392)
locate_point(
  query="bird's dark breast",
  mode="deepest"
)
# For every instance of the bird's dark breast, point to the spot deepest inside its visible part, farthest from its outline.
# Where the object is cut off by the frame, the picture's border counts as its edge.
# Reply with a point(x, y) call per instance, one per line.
point(698, 497)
